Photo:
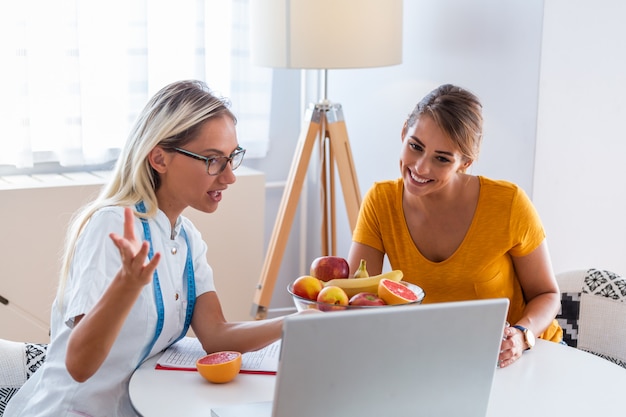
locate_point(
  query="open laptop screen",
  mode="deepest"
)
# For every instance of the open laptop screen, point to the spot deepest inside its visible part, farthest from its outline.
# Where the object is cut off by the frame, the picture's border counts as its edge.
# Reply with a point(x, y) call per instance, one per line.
point(425, 360)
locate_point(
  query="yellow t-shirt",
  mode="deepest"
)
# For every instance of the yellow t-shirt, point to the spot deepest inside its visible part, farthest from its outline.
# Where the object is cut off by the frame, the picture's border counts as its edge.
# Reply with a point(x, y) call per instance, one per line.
point(505, 223)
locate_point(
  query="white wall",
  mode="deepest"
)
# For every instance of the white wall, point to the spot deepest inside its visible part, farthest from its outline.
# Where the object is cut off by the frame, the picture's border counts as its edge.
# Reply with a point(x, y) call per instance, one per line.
point(580, 179)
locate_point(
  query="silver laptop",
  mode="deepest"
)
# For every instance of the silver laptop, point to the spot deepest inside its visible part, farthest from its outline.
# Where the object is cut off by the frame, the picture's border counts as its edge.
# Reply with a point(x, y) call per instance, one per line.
point(426, 360)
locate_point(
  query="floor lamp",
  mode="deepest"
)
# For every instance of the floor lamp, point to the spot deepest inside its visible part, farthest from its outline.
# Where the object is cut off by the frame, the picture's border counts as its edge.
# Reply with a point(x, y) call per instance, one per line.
point(322, 35)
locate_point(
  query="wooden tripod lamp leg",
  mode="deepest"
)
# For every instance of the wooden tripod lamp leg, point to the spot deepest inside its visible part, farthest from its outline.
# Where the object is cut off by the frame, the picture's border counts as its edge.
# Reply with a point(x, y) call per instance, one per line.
point(325, 163)
point(342, 153)
point(331, 238)
point(284, 220)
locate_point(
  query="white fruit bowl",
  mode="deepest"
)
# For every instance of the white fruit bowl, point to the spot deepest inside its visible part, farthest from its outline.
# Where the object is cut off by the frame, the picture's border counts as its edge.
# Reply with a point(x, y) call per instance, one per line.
point(304, 304)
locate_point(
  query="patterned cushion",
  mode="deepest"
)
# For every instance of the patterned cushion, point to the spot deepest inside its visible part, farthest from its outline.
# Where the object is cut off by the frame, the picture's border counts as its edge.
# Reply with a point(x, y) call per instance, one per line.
point(594, 319)
point(34, 357)
point(568, 317)
point(606, 284)
point(5, 396)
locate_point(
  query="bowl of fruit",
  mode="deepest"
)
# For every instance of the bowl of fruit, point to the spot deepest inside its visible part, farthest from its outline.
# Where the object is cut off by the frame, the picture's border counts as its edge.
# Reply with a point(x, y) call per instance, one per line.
point(329, 288)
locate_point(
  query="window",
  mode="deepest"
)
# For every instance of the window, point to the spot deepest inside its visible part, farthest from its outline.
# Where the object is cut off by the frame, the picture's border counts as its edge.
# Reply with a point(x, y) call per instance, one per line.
point(76, 73)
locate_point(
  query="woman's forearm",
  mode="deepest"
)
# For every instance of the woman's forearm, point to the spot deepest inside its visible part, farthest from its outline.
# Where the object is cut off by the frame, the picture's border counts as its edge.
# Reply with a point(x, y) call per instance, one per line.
point(540, 312)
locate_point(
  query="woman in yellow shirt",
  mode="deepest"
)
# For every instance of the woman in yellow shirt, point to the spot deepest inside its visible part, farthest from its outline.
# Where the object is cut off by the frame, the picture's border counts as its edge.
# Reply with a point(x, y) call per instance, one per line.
point(459, 236)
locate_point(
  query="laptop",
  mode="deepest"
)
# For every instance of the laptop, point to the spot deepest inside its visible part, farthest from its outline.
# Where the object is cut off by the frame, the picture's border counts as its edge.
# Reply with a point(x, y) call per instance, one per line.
point(425, 360)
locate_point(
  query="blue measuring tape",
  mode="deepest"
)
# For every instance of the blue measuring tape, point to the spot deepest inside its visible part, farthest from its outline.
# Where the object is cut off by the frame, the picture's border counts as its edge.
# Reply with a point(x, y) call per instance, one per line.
point(158, 295)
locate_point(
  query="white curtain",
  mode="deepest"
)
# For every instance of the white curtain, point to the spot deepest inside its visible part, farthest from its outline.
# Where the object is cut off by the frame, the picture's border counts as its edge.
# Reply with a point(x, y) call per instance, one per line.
point(74, 74)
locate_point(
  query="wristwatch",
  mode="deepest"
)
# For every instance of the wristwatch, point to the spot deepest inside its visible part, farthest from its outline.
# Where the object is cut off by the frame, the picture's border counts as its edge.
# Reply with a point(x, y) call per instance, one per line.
point(529, 337)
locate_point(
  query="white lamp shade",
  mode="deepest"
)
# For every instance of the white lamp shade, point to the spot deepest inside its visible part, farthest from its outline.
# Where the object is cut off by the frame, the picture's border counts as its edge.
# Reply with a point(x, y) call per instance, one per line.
point(326, 34)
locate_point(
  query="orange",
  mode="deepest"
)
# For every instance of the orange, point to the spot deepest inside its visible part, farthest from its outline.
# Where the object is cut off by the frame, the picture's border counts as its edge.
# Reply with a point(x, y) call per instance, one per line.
point(219, 367)
point(393, 292)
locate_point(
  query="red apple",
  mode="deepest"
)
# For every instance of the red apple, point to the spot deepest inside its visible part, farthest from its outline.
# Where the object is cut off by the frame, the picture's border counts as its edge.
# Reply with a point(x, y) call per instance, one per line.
point(366, 299)
point(333, 295)
point(329, 267)
point(307, 287)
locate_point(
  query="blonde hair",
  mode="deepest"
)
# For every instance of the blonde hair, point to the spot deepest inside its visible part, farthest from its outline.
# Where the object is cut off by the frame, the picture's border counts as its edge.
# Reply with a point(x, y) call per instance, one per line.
point(170, 119)
point(458, 113)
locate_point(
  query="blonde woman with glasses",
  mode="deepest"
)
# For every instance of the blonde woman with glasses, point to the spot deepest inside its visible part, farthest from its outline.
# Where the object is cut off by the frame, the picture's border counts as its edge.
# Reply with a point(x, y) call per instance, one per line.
point(135, 275)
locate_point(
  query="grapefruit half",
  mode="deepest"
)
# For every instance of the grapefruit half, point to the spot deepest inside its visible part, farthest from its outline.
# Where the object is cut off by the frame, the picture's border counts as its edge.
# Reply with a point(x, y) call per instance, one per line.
point(219, 367)
point(393, 292)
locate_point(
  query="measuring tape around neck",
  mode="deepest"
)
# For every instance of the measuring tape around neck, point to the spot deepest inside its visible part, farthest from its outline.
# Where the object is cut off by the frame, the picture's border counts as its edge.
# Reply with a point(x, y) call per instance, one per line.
point(158, 296)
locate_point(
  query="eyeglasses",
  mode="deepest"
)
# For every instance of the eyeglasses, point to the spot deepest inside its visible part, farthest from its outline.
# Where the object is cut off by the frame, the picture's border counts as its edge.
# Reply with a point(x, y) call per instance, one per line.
point(215, 165)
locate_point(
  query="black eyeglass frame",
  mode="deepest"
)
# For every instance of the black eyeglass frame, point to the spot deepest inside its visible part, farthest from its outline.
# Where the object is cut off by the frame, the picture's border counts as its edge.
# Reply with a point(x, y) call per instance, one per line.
point(210, 161)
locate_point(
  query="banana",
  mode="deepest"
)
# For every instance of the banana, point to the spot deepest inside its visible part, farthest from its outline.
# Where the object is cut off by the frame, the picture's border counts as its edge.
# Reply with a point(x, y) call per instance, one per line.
point(361, 271)
point(354, 286)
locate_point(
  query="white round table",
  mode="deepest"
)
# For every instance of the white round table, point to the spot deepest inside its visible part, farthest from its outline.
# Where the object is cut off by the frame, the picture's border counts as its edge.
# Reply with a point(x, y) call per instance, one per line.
point(550, 380)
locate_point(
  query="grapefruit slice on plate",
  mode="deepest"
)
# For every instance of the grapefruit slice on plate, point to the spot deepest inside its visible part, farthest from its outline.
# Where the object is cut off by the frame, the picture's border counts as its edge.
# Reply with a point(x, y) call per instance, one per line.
point(393, 292)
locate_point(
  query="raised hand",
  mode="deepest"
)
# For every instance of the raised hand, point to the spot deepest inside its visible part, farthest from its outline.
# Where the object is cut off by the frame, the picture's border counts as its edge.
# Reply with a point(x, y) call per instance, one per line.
point(135, 269)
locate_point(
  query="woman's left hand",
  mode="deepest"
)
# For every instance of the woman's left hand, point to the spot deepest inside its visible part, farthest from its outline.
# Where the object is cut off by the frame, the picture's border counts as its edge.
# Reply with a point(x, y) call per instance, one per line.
point(512, 347)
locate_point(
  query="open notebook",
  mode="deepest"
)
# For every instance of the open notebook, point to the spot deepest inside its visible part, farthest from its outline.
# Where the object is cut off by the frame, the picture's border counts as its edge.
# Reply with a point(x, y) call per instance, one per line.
point(182, 356)
point(427, 360)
